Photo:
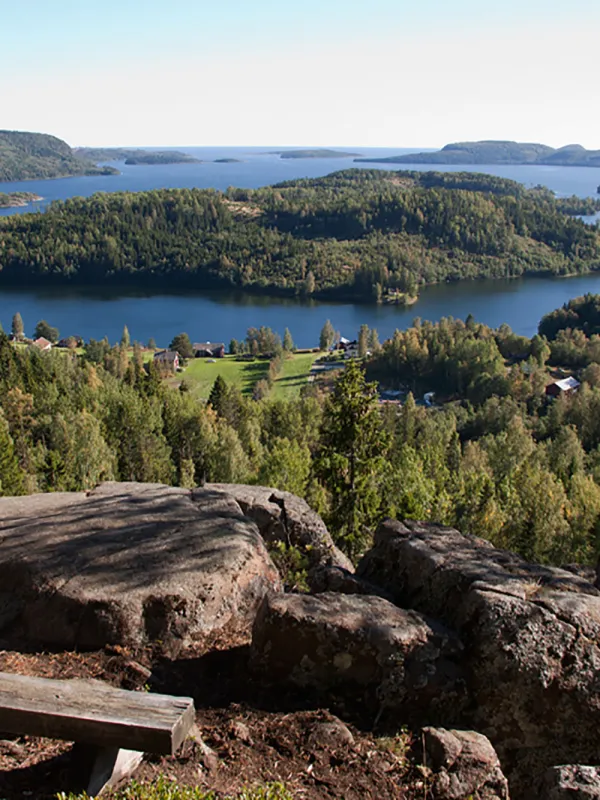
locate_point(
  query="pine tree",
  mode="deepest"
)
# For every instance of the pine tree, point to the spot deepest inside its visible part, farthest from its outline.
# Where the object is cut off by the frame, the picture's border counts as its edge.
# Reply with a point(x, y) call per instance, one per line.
point(217, 398)
point(183, 345)
point(351, 458)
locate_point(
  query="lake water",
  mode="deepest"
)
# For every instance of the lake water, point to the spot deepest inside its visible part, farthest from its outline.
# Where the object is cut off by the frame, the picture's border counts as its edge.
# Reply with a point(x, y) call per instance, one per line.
point(221, 316)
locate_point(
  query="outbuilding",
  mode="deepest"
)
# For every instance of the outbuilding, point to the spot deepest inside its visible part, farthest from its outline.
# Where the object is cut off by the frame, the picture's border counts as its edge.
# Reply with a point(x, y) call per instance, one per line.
point(563, 386)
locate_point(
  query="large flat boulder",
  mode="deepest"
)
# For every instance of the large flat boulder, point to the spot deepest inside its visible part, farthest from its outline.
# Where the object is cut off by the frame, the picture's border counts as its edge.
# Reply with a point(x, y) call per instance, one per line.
point(284, 517)
point(128, 564)
point(360, 647)
point(531, 636)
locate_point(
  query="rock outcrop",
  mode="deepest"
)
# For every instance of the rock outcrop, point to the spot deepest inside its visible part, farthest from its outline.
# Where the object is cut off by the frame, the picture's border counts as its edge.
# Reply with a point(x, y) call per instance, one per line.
point(463, 764)
point(531, 636)
point(360, 646)
point(129, 564)
point(571, 782)
point(284, 517)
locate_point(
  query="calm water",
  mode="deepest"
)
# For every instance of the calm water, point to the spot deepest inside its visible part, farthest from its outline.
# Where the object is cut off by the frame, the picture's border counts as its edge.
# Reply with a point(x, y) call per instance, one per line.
point(221, 316)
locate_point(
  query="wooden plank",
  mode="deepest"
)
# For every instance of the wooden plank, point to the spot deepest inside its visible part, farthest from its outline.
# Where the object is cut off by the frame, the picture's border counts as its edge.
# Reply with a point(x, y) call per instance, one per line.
point(95, 713)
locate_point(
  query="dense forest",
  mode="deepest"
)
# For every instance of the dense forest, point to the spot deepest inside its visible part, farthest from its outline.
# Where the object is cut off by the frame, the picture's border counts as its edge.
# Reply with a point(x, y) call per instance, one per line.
point(495, 456)
point(33, 156)
point(356, 233)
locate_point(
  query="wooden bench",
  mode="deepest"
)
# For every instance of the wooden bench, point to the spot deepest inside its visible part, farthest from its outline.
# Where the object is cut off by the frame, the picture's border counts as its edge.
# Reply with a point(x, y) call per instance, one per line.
point(112, 728)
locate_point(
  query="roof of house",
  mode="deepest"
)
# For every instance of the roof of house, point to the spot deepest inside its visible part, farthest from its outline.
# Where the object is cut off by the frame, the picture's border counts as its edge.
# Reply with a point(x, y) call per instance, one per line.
point(167, 355)
point(566, 384)
point(208, 345)
point(42, 343)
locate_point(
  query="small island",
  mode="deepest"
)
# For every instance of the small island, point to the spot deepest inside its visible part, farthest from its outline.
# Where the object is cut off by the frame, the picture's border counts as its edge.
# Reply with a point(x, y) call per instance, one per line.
point(317, 153)
point(498, 152)
point(228, 161)
point(149, 157)
point(18, 199)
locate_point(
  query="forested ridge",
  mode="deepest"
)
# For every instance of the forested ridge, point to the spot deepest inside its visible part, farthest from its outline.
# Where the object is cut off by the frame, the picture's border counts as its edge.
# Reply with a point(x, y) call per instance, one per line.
point(356, 233)
point(31, 156)
point(496, 457)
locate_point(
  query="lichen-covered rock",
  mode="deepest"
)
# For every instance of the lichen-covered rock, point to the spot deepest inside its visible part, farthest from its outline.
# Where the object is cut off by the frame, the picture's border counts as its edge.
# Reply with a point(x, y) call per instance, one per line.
point(571, 781)
point(128, 564)
point(531, 636)
point(463, 764)
point(360, 646)
point(284, 517)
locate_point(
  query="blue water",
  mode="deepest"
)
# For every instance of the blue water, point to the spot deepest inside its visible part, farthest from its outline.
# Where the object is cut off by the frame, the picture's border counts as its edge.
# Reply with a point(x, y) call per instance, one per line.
point(220, 316)
point(260, 169)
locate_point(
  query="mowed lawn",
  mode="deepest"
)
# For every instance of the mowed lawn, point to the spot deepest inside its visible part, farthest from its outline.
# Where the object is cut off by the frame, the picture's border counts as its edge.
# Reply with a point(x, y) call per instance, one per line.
point(200, 374)
point(294, 375)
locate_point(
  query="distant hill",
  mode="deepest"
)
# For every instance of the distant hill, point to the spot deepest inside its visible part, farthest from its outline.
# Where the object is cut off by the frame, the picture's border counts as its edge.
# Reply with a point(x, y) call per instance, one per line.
point(134, 155)
point(318, 153)
point(35, 156)
point(492, 152)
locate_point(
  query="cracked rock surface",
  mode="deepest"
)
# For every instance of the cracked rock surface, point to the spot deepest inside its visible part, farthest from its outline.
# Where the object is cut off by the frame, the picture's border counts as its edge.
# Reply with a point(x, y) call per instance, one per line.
point(360, 646)
point(284, 517)
point(128, 564)
point(531, 637)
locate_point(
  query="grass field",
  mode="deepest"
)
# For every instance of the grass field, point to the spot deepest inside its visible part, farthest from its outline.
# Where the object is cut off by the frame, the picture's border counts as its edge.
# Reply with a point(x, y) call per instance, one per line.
point(200, 374)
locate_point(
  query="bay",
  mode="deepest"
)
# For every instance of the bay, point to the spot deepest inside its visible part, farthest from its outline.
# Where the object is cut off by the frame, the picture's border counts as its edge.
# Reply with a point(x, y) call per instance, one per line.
point(96, 312)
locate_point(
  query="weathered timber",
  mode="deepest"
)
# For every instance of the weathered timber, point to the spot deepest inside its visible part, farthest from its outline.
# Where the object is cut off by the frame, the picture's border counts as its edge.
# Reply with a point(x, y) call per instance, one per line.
point(93, 713)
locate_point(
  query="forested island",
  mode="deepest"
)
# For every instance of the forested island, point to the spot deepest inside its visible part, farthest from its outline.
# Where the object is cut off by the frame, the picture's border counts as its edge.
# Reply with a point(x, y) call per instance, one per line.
point(150, 157)
point(358, 234)
point(135, 156)
point(36, 156)
point(314, 153)
point(18, 199)
point(498, 152)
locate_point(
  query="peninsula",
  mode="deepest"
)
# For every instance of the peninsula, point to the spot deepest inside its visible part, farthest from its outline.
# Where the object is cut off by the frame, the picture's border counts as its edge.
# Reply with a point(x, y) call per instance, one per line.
point(37, 156)
point(498, 152)
point(18, 199)
point(316, 153)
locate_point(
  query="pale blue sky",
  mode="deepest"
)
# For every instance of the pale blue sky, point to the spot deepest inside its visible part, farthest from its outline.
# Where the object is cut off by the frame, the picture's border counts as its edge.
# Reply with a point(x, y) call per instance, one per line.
point(321, 72)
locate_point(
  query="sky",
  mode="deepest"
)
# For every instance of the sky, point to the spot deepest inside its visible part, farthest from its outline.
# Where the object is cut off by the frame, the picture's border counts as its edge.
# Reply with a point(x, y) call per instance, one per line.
point(374, 73)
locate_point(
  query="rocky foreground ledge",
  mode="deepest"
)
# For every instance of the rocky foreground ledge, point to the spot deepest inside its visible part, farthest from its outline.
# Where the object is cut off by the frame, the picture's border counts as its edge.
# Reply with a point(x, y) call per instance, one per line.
point(433, 629)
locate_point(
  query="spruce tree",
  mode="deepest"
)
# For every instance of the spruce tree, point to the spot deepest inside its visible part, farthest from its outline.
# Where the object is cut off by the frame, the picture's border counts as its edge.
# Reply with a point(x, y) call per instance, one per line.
point(351, 458)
